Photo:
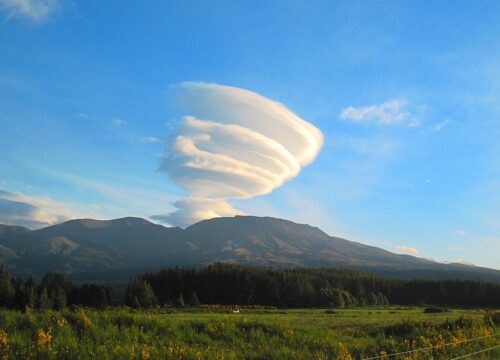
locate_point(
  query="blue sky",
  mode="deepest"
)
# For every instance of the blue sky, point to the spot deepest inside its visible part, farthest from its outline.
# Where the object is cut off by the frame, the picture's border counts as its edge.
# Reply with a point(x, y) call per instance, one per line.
point(406, 94)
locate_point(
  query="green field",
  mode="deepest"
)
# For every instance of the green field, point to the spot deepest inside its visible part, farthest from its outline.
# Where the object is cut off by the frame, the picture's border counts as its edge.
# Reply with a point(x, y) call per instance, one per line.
point(253, 334)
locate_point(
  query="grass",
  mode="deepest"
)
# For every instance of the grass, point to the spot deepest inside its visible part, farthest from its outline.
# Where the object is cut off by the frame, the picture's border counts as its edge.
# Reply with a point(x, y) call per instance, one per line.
point(253, 334)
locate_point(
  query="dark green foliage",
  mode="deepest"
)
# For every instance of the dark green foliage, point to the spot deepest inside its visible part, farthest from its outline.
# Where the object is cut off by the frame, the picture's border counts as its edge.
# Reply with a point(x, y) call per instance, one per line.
point(233, 284)
point(29, 295)
point(55, 292)
point(337, 298)
point(331, 312)
point(44, 301)
point(433, 310)
point(140, 294)
point(349, 300)
point(135, 302)
point(59, 298)
point(92, 295)
point(56, 280)
point(493, 318)
point(227, 284)
point(180, 301)
point(7, 291)
point(331, 297)
point(376, 298)
point(404, 328)
point(24, 294)
point(56, 285)
point(193, 299)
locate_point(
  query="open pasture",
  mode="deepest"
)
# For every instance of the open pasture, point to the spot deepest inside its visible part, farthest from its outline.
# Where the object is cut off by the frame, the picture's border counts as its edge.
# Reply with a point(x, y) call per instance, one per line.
point(252, 334)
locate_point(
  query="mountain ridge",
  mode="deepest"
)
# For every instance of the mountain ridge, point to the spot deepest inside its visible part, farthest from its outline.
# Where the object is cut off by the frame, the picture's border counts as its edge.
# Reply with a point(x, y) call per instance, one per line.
point(84, 247)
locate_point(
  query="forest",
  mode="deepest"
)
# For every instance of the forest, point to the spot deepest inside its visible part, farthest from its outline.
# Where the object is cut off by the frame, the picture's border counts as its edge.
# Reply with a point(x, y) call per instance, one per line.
point(230, 284)
point(223, 283)
point(54, 291)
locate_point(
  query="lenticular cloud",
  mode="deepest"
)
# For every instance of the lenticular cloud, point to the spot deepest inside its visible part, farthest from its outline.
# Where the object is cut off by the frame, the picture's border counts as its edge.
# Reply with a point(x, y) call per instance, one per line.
point(234, 144)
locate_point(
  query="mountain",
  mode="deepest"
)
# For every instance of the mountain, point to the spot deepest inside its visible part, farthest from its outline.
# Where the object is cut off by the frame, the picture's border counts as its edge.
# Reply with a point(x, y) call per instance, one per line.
point(113, 250)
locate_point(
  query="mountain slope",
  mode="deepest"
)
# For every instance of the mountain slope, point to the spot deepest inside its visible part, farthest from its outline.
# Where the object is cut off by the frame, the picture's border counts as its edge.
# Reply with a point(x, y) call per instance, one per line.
point(271, 241)
point(96, 249)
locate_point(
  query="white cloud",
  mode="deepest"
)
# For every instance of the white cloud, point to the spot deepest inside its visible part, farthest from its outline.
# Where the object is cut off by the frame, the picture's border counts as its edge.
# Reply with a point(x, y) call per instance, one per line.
point(192, 210)
point(31, 212)
point(35, 10)
point(460, 232)
point(118, 122)
point(414, 122)
point(403, 249)
point(387, 113)
point(236, 144)
point(149, 139)
point(439, 126)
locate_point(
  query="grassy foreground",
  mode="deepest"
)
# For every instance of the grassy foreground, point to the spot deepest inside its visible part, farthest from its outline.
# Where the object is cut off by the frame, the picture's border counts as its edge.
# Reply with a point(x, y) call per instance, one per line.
point(252, 334)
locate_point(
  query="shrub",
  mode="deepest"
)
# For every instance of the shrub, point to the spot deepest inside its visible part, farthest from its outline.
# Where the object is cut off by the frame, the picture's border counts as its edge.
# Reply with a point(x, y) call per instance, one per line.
point(331, 312)
point(432, 310)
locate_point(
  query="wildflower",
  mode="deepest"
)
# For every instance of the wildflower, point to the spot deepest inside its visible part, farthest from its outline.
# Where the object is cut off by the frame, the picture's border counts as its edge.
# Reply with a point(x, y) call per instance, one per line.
point(43, 339)
point(145, 354)
point(85, 321)
point(343, 354)
point(28, 311)
point(4, 341)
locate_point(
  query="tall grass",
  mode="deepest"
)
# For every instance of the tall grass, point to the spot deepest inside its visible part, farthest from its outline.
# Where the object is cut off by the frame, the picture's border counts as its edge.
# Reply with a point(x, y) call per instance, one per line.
point(253, 334)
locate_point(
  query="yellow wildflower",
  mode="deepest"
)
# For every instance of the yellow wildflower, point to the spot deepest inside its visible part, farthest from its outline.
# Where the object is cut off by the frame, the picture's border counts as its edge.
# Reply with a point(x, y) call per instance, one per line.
point(343, 354)
point(28, 311)
point(145, 354)
point(43, 339)
point(4, 341)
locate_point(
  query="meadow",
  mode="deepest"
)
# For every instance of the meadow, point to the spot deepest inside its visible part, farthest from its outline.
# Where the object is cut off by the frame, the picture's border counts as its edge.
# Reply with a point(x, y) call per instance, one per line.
point(216, 333)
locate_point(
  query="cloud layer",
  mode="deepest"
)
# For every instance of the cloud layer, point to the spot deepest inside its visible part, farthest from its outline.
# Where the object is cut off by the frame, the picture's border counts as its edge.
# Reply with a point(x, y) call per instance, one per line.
point(235, 144)
point(30, 212)
point(34, 10)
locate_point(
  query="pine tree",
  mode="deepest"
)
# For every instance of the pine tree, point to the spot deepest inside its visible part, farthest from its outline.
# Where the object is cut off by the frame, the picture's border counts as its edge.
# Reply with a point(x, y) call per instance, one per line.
point(193, 299)
point(59, 298)
point(140, 293)
point(338, 299)
point(58, 286)
point(44, 301)
point(29, 293)
point(146, 294)
point(7, 292)
point(180, 301)
point(131, 298)
point(135, 302)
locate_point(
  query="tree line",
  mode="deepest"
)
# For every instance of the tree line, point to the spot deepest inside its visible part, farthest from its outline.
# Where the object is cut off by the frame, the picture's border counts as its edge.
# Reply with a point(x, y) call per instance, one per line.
point(230, 284)
point(55, 291)
point(226, 284)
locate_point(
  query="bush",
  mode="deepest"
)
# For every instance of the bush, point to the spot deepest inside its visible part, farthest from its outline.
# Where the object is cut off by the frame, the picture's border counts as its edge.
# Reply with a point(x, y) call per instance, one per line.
point(433, 310)
point(331, 312)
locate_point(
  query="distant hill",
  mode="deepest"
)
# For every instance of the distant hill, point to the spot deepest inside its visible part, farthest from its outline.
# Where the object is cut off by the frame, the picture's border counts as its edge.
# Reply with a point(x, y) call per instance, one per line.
point(93, 250)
